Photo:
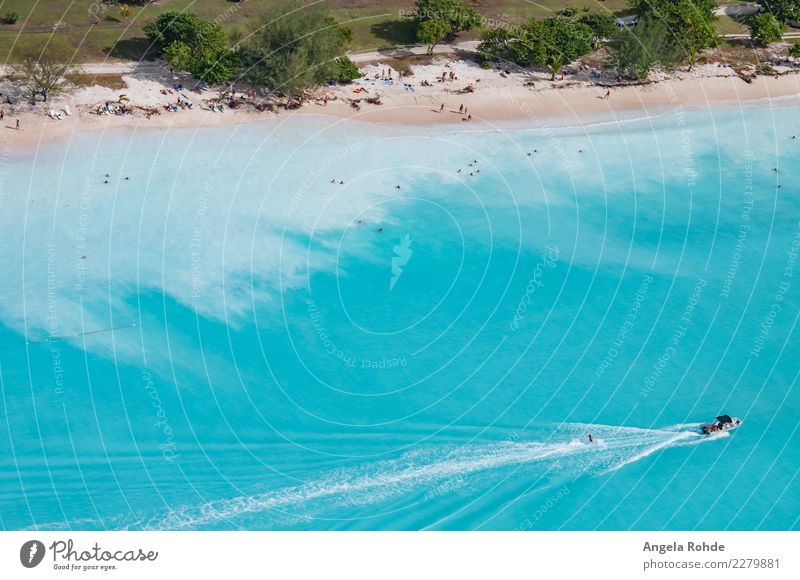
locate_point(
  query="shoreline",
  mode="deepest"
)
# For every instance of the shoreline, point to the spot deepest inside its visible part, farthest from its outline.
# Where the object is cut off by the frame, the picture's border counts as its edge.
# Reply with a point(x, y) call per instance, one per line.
point(572, 103)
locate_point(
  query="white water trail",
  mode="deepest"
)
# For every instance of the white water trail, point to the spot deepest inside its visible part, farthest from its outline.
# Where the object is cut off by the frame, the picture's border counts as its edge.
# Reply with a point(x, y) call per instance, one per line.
point(707, 438)
point(678, 437)
point(566, 452)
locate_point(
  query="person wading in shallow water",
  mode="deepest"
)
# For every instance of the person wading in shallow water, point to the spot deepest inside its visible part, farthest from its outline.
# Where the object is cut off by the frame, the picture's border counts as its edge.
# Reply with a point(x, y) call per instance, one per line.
point(591, 439)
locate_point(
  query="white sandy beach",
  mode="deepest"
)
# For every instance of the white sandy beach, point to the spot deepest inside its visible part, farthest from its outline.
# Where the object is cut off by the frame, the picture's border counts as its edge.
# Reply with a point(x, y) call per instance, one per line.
point(496, 96)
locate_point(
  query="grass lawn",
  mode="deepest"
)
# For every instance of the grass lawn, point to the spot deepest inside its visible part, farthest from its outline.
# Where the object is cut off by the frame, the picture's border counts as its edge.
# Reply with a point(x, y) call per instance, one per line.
point(730, 25)
point(98, 31)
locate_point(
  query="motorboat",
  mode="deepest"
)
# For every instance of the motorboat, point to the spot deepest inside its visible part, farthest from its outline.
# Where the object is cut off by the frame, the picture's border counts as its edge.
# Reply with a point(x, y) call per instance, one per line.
point(723, 423)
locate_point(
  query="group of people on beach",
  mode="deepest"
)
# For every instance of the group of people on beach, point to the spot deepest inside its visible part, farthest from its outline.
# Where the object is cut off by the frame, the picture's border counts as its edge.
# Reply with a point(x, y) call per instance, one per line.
point(227, 98)
point(7, 101)
point(462, 110)
point(118, 108)
point(179, 103)
point(230, 99)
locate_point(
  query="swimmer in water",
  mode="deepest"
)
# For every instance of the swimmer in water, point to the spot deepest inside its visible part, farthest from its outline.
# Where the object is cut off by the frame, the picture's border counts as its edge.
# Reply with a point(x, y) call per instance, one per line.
point(591, 439)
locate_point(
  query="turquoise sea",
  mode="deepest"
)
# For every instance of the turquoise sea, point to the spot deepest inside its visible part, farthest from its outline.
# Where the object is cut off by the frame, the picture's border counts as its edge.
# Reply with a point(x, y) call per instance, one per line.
point(219, 337)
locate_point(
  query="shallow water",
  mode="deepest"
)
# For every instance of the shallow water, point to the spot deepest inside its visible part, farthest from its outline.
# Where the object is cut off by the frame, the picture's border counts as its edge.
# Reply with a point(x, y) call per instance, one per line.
point(228, 340)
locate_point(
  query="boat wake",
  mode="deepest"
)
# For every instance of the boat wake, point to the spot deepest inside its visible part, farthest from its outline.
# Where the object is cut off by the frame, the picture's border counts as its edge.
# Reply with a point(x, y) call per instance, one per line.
point(428, 473)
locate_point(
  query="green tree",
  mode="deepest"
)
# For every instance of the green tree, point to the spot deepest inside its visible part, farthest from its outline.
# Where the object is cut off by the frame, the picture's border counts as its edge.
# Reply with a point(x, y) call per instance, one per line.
point(441, 21)
point(641, 48)
point(194, 45)
point(295, 47)
point(766, 29)
point(346, 70)
point(503, 44)
point(564, 41)
point(784, 10)
point(548, 43)
point(171, 27)
point(432, 32)
point(346, 32)
point(43, 65)
point(690, 24)
point(795, 50)
point(603, 26)
point(179, 56)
